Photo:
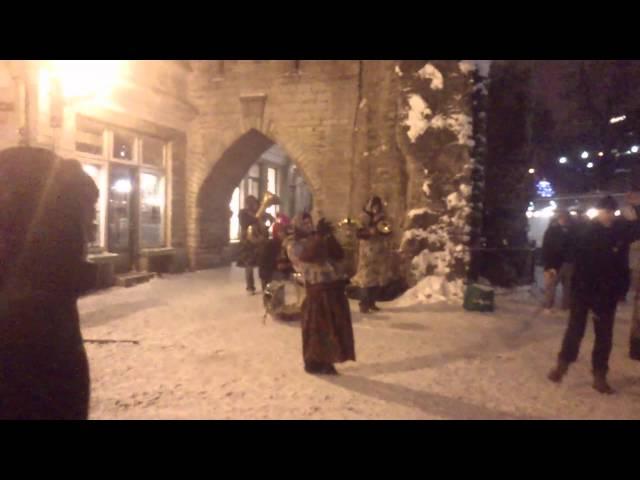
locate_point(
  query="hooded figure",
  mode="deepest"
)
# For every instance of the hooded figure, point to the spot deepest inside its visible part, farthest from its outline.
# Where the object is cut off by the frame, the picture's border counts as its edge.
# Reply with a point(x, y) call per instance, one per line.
point(374, 256)
point(327, 332)
point(47, 209)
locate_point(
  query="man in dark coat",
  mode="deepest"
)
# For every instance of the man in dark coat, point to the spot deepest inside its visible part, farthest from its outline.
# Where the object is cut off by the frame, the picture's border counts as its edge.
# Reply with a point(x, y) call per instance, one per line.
point(557, 259)
point(47, 209)
point(251, 251)
point(597, 285)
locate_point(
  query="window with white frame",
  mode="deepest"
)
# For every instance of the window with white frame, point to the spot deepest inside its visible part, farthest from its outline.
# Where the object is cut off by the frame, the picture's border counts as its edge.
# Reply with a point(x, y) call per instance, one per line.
point(100, 146)
point(97, 173)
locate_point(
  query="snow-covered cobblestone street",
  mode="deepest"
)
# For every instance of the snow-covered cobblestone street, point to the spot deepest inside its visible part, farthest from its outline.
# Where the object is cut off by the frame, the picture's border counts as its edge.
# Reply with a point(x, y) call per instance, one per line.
point(194, 346)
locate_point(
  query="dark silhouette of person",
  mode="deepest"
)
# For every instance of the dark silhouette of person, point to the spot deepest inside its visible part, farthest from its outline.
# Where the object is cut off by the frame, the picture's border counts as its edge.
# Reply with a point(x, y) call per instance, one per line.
point(47, 211)
point(597, 286)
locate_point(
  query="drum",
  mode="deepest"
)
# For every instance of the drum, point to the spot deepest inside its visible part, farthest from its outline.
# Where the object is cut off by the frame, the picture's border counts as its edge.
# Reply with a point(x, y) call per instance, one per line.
point(283, 299)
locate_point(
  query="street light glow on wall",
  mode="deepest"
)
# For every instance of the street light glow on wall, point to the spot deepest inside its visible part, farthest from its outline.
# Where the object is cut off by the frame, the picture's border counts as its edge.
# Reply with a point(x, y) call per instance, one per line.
point(87, 78)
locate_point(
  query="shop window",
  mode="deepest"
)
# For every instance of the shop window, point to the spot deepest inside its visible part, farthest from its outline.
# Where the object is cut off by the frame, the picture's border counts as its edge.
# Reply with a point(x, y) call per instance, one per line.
point(152, 206)
point(95, 172)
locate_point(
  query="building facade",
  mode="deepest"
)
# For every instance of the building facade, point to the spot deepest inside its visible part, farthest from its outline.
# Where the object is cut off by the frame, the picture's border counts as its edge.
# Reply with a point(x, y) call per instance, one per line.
point(175, 146)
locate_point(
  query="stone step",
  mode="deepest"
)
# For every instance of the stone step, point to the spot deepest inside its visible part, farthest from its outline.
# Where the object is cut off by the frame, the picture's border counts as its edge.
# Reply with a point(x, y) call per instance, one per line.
point(133, 278)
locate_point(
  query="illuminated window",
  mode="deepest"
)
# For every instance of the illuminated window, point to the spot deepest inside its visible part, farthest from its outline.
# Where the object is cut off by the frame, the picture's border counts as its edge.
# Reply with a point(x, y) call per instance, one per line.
point(96, 172)
point(234, 206)
point(134, 196)
point(272, 186)
point(152, 204)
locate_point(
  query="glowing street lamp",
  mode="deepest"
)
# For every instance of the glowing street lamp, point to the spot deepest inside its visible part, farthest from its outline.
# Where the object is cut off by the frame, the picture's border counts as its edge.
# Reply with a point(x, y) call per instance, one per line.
point(590, 165)
point(635, 149)
point(601, 154)
point(86, 78)
point(585, 155)
point(532, 171)
point(563, 160)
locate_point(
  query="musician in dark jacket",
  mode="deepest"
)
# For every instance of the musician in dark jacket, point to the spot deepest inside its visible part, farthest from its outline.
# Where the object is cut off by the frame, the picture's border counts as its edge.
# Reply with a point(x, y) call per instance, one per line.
point(557, 259)
point(272, 253)
point(597, 285)
point(47, 210)
point(250, 251)
point(374, 256)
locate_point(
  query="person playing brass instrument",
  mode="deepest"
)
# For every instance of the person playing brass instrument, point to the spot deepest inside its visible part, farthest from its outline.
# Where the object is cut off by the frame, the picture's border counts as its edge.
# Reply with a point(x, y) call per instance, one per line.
point(374, 254)
point(253, 220)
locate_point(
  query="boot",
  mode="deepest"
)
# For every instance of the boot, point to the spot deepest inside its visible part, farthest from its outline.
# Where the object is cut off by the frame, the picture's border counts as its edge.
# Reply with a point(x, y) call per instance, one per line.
point(329, 369)
point(364, 307)
point(600, 383)
point(313, 367)
point(373, 296)
point(558, 372)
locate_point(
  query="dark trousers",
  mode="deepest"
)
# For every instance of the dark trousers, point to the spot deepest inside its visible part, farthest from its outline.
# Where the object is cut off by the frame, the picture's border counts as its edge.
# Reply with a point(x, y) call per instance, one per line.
point(604, 314)
point(368, 296)
point(248, 275)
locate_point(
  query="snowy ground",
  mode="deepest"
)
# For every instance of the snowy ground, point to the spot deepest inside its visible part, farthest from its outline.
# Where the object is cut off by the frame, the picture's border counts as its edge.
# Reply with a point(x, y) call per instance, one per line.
point(204, 353)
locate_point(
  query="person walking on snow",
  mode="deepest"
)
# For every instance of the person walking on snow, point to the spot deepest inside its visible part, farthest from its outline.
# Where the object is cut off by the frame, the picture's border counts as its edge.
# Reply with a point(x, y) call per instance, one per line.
point(598, 282)
point(557, 259)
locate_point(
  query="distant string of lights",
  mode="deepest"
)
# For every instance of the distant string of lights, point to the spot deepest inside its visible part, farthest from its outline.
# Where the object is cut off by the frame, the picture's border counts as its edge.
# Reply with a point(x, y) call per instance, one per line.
point(586, 159)
point(550, 209)
point(564, 160)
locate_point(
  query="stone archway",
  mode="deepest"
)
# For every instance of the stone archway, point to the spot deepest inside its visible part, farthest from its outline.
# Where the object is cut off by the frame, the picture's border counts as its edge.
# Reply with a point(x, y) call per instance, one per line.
point(215, 193)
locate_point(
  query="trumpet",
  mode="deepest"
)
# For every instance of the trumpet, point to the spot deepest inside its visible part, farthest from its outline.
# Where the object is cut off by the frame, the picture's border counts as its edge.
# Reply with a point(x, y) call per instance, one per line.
point(383, 227)
point(259, 233)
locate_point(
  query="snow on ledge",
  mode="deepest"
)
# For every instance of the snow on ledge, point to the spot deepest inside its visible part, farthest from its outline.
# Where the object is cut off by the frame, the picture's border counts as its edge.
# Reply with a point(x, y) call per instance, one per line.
point(429, 72)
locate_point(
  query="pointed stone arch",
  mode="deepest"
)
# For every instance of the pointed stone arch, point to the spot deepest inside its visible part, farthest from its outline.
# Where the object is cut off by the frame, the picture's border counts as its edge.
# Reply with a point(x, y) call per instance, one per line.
point(226, 172)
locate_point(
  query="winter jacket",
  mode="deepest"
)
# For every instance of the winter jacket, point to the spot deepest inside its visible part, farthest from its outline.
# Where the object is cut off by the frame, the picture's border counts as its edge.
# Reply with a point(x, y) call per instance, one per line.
point(558, 246)
point(601, 259)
